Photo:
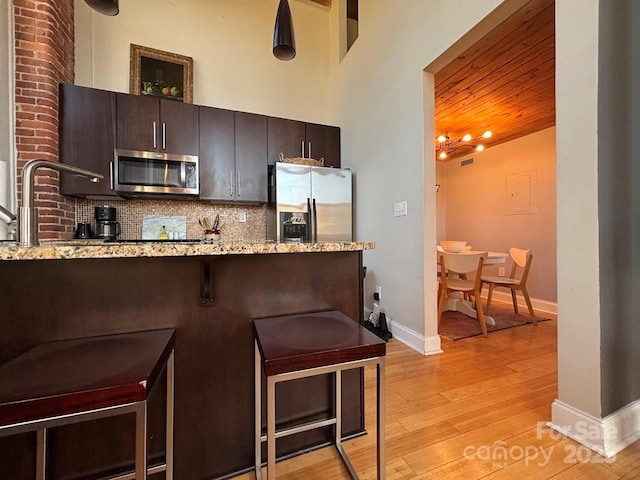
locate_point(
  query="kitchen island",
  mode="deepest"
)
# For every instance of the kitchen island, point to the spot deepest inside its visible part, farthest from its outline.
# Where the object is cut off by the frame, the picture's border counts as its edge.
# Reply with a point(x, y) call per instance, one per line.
point(209, 293)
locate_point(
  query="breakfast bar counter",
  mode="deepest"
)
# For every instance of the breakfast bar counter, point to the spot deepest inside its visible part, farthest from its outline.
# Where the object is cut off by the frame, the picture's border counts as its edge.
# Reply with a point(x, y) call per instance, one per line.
point(68, 249)
point(209, 294)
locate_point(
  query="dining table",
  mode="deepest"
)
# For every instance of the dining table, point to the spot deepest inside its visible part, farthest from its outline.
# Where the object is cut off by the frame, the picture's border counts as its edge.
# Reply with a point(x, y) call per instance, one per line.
point(456, 302)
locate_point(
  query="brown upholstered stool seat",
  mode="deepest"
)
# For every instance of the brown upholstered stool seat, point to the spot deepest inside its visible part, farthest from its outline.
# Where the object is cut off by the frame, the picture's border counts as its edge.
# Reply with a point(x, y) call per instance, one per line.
point(298, 346)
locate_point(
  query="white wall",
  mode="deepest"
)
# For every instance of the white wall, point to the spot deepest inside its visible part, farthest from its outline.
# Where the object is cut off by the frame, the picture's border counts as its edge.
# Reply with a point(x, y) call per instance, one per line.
point(578, 247)
point(230, 42)
point(380, 98)
point(476, 205)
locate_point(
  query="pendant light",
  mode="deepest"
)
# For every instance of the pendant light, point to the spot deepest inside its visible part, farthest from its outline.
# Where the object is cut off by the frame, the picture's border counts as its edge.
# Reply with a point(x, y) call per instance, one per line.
point(284, 42)
point(106, 7)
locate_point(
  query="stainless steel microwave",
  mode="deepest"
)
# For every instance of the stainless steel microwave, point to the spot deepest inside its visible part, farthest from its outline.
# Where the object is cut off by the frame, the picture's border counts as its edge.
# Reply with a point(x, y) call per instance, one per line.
point(136, 171)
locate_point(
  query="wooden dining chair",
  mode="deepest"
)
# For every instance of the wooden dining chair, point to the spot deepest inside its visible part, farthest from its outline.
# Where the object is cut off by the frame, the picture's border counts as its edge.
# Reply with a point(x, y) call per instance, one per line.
point(517, 280)
point(462, 265)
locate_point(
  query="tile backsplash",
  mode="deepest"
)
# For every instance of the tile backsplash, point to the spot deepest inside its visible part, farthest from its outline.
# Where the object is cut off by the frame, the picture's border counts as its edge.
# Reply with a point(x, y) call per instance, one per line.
point(131, 215)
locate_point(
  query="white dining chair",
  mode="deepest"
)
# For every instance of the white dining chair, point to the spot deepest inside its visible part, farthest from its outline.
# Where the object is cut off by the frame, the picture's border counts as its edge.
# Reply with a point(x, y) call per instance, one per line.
point(462, 265)
point(516, 281)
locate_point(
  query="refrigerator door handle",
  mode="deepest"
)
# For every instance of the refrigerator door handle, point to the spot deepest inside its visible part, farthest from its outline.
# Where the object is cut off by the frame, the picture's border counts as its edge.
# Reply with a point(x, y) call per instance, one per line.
point(309, 236)
point(302, 148)
point(315, 222)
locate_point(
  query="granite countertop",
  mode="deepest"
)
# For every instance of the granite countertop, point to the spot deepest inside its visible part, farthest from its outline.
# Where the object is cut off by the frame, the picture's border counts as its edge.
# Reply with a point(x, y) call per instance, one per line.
point(72, 249)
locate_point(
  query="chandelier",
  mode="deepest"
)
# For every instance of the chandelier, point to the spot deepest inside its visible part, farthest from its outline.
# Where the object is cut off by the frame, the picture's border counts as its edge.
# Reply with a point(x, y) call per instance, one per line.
point(447, 146)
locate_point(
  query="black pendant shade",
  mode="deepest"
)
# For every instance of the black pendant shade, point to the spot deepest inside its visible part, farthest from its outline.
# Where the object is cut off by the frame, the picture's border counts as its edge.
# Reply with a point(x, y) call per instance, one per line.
point(106, 7)
point(284, 42)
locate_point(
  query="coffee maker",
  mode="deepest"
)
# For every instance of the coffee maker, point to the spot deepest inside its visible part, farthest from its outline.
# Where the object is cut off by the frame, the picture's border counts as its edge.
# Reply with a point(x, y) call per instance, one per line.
point(107, 227)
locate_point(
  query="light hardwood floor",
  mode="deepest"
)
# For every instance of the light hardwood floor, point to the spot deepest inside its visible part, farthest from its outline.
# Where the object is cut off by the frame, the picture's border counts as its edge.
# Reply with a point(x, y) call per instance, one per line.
point(450, 416)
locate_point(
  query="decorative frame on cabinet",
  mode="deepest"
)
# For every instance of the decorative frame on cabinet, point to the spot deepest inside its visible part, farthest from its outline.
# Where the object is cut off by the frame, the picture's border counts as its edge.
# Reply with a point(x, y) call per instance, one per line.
point(153, 70)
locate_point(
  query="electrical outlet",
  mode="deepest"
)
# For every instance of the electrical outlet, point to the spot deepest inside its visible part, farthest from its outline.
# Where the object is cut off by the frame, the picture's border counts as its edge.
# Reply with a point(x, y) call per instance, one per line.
point(400, 209)
point(379, 292)
point(501, 271)
point(242, 217)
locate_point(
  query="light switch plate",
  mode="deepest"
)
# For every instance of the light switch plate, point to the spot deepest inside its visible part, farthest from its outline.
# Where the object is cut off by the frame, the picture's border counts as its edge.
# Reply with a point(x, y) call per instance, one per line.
point(400, 209)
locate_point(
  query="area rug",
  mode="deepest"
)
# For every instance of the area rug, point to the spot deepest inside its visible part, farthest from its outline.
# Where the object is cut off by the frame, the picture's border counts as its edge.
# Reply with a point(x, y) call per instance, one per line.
point(456, 325)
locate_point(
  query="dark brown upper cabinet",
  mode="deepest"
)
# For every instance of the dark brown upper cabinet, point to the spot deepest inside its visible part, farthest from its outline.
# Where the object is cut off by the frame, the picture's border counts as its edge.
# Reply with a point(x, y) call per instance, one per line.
point(87, 119)
point(299, 139)
point(233, 156)
point(323, 141)
point(217, 154)
point(251, 157)
point(156, 125)
point(286, 137)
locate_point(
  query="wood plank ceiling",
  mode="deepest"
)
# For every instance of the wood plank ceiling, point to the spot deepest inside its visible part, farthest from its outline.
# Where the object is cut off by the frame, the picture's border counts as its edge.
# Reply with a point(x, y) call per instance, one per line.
point(504, 83)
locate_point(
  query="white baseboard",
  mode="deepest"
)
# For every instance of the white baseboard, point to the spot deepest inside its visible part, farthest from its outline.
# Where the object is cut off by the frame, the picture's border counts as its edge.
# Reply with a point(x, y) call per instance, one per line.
point(541, 306)
point(423, 345)
point(606, 436)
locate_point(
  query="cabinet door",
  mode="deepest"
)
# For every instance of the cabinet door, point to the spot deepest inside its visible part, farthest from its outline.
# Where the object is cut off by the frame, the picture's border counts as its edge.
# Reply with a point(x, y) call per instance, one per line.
point(87, 137)
point(251, 157)
point(178, 127)
point(286, 137)
point(138, 122)
point(217, 154)
point(325, 143)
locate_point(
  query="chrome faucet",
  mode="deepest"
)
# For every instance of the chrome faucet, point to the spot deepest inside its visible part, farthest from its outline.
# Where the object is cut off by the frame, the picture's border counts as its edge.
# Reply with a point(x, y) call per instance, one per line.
point(28, 223)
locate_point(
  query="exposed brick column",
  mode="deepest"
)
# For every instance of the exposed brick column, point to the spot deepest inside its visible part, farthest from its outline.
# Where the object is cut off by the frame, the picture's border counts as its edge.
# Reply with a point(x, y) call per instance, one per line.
point(44, 58)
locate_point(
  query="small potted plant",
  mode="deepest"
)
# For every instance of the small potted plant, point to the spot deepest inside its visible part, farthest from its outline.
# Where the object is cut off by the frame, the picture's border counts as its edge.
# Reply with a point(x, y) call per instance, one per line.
point(211, 230)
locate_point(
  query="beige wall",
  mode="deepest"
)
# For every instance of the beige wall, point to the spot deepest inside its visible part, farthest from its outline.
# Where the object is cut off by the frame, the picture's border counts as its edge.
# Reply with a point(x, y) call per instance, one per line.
point(230, 42)
point(476, 204)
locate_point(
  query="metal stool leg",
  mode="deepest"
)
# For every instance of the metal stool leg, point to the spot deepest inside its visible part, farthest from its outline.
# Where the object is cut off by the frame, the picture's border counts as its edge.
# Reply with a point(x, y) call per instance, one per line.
point(271, 428)
point(141, 441)
point(41, 454)
point(338, 402)
point(258, 412)
point(380, 417)
point(169, 419)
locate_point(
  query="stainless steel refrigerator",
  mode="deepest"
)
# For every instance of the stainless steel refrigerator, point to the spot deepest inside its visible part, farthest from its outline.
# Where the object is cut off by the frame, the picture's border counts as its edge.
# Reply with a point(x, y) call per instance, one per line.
point(310, 204)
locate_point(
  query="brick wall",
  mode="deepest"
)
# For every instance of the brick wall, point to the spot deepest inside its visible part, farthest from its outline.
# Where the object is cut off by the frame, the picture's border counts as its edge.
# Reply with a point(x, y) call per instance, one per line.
point(44, 58)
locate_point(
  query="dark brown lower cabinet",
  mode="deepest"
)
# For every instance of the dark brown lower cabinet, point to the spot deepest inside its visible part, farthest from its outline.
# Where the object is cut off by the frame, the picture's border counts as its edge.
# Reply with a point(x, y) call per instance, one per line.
point(214, 420)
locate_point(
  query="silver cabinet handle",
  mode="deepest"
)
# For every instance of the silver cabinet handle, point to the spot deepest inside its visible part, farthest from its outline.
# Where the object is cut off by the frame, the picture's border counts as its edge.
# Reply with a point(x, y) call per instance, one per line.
point(309, 150)
point(111, 175)
point(155, 142)
point(302, 148)
point(164, 136)
point(230, 183)
point(238, 182)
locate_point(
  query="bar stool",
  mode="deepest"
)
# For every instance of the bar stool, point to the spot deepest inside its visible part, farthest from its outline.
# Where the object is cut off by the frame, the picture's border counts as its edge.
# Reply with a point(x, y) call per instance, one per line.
point(298, 346)
point(71, 381)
